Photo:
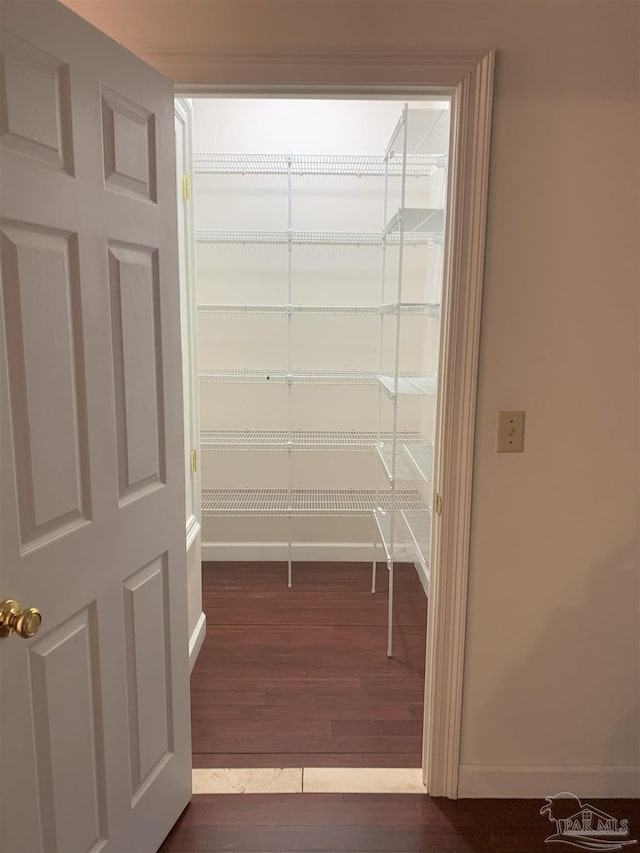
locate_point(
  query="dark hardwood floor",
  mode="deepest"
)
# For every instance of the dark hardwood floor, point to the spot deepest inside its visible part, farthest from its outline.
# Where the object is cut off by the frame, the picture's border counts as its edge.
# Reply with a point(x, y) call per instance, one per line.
point(300, 677)
point(370, 823)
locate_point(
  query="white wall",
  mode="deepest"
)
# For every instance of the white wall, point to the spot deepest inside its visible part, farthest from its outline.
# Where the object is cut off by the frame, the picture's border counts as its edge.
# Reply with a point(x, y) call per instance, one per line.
point(552, 668)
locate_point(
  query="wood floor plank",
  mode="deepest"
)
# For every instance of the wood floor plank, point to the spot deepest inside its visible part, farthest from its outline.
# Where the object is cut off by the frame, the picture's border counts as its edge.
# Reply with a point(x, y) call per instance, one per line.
point(333, 698)
point(274, 681)
point(269, 728)
point(388, 728)
point(248, 810)
point(230, 636)
point(201, 742)
point(231, 697)
point(287, 713)
point(217, 616)
point(270, 743)
point(307, 759)
point(304, 839)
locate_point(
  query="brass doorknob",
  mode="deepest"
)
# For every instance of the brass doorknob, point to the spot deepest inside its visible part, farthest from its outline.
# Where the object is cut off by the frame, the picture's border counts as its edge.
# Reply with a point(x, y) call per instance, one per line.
point(25, 623)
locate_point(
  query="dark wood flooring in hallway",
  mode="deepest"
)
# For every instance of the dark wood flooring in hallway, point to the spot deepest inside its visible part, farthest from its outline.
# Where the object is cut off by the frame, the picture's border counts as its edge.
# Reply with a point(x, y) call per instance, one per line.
point(294, 678)
point(371, 823)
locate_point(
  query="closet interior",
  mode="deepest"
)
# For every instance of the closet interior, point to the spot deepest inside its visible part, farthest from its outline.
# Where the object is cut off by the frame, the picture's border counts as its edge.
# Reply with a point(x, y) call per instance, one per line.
point(319, 231)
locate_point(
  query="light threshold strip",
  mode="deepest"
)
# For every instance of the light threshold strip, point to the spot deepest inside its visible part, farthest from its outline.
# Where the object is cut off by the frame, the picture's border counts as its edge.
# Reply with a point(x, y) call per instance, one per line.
point(308, 780)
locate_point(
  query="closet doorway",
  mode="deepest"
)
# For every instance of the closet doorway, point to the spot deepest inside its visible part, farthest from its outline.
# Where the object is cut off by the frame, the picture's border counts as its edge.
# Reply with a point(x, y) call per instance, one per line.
point(318, 231)
point(339, 393)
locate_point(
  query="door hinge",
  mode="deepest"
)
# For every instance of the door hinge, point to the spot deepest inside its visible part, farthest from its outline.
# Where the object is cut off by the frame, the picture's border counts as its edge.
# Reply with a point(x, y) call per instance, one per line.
point(194, 461)
point(437, 503)
point(186, 187)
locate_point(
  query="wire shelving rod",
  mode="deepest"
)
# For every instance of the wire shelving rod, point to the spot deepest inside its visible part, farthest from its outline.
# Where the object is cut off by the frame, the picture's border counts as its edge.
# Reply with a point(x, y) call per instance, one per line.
point(289, 159)
point(394, 440)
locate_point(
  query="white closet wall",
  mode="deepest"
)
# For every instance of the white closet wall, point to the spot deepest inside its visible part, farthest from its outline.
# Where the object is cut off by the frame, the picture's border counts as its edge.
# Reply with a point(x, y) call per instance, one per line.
point(336, 260)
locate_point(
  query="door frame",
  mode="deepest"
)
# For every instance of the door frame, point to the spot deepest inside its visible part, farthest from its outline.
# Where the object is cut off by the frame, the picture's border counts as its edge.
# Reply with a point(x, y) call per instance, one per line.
point(467, 78)
point(188, 318)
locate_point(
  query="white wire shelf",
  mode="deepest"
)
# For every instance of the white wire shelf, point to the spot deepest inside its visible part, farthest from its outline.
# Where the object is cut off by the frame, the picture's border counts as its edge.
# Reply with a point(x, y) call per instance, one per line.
point(420, 456)
point(411, 534)
point(415, 220)
point(307, 377)
point(363, 165)
point(312, 440)
point(328, 503)
point(426, 308)
point(317, 238)
point(429, 309)
point(285, 310)
point(414, 460)
point(423, 128)
point(408, 384)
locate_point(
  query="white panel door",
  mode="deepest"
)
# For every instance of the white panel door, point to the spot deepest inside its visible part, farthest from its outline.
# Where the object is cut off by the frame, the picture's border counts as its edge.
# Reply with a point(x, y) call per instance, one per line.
point(94, 709)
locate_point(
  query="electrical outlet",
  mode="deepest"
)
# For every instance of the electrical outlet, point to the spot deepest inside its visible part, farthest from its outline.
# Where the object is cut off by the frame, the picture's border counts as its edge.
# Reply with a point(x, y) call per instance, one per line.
point(510, 432)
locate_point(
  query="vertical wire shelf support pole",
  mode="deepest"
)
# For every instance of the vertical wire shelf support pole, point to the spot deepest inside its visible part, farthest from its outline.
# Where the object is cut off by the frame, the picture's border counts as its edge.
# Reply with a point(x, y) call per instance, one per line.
point(373, 567)
point(396, 372)
point(381, 345)
point(289, 158)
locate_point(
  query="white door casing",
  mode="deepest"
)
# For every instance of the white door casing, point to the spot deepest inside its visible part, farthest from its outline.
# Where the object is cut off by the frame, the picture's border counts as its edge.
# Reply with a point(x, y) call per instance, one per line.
point(467, 77)
point(190, 382)
point(94, 710)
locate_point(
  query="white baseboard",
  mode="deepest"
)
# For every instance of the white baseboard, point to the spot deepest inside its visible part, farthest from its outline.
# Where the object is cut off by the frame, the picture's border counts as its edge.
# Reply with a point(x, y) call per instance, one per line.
point(423, 577)
point(544, 780)
point(307, 551)
point(197, 639)
point(193, 528)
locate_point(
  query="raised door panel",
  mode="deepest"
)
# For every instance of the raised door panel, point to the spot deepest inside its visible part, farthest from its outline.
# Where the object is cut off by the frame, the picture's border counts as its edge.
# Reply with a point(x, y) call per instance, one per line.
point(41, 296)
point(66, 706)
point(137, 366)
point(35, 104)
point(147, 632)
point(129, 146)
